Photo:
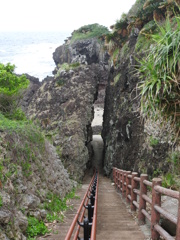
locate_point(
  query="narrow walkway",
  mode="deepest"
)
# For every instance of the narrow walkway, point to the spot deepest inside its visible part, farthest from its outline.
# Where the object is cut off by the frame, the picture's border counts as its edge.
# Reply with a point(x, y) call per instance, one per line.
point(113, 220)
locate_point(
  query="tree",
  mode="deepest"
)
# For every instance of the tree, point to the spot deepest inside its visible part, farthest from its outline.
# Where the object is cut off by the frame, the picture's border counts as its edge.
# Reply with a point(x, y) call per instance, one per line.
point(11, 90)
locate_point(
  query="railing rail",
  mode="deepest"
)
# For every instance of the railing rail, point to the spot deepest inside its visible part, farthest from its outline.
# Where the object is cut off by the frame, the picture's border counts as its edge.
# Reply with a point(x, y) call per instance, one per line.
point(131, 186)
point(88, 224)
point(94, 223)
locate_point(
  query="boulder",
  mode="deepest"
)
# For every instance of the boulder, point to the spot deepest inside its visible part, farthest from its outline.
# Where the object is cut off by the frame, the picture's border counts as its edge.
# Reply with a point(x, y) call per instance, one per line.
point(5, 216)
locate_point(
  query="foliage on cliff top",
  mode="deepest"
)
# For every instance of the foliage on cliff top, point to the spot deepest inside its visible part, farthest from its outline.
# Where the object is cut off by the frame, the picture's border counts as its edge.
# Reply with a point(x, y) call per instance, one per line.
point(160, 74)
point(141, 13)
point(89, 31)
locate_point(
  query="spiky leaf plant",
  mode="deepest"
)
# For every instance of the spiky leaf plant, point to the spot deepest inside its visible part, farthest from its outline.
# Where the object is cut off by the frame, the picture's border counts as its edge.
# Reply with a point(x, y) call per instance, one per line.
point(160, 73)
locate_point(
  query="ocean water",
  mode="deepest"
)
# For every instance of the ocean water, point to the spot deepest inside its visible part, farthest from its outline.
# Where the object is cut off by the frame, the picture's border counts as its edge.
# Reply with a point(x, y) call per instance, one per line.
point(31, 52)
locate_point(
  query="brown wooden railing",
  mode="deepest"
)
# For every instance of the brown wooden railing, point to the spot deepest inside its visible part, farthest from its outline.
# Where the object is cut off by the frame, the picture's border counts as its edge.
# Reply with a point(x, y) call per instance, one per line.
point(131, 186)
point(87, 207)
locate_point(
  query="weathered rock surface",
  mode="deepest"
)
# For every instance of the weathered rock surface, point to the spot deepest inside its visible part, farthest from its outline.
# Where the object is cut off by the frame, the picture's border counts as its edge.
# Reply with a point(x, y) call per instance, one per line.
point(64, 103)
point(28, 94)
point(90, 49)
point(66, 113)
point(63, 106)
point(24, 194)
point(131, 143)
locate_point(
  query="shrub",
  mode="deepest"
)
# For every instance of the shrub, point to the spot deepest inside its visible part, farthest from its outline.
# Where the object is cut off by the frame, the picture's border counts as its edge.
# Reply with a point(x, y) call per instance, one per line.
point(89, 31)
point(159, 73)
point(35, 227)
point(122, 23)
point(11, 88)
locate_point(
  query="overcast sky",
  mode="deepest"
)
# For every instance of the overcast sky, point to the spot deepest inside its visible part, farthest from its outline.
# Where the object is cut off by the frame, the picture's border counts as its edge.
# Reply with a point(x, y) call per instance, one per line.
point(59, 15)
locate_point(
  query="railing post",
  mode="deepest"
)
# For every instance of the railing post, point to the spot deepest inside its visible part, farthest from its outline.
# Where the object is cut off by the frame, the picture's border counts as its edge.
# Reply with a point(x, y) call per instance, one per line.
point(113, 174)
point(156, 200)
point(116, 178)
point(142, 202)
point(178, 222)
point(120, 179)
point(134, 185)
point(123, 181)
point(127, 183)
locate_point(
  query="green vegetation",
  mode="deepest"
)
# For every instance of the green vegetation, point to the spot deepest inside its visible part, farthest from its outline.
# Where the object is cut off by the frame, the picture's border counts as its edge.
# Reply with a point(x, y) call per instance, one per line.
point(1, 201)
point(66, 67)
point(11, 89)
point(115, 54)
point(171, 178)
point(124, 53)
point(60, 82)
point(153, 141)
point(55, 205)
point(30, 142)
point(117, 77)
point(142, 15)
point(122, 23)
point(159, 73)
point(168, 181)
point(89, 31)
point(35, 228)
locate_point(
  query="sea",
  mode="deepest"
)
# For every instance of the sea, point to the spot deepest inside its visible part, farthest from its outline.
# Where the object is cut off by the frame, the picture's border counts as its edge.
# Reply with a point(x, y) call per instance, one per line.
point(31, 52)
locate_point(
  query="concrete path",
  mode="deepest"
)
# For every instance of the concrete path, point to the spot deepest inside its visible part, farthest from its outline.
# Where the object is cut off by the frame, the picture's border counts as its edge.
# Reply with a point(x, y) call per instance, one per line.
point(114, 222)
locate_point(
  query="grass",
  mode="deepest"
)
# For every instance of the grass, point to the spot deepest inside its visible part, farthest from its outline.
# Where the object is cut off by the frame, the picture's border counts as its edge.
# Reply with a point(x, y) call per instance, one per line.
point(55, 207)
point(89, 31)
point(116, 78)
point(153, 141)
point(23, 142)
point(66, 67)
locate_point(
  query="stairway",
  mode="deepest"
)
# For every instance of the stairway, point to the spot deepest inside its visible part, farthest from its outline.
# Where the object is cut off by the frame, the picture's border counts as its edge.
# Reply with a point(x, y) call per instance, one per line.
point(59, 230)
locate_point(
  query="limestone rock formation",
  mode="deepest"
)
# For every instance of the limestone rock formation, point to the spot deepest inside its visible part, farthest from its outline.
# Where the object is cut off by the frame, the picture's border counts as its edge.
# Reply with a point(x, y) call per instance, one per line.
point(64, 103)
point(25, 184)
point(131, 141)
point(32, 88)
point(84, 51)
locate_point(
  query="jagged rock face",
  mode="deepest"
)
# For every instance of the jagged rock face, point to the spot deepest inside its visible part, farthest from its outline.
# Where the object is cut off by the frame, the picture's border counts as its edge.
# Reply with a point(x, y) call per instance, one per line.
point(125, 134)
point(66, 112)
point(24, 192)
point(64, 103)
point(28, 94)
point(90, 49)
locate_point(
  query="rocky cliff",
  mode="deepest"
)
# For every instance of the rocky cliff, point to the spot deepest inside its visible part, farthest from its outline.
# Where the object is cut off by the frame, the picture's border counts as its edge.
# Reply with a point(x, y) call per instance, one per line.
point(64, 103)
point(30, 169)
